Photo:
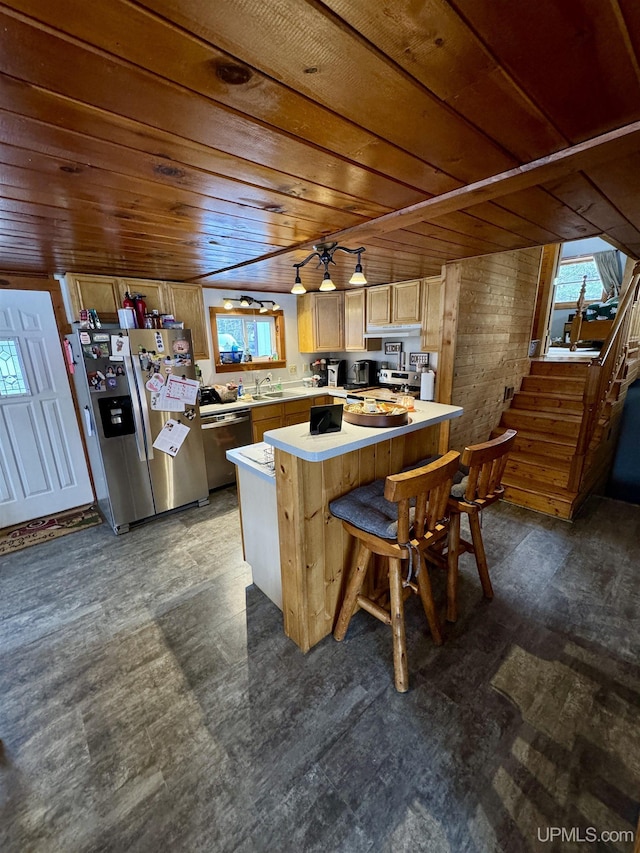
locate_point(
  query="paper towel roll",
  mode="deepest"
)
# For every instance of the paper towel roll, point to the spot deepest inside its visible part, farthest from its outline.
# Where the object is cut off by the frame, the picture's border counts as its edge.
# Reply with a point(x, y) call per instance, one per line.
point(427, 384)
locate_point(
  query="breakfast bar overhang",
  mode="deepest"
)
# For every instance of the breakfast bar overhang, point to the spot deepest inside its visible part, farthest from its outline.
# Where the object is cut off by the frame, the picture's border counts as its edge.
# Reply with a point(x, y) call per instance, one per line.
point(312, 470)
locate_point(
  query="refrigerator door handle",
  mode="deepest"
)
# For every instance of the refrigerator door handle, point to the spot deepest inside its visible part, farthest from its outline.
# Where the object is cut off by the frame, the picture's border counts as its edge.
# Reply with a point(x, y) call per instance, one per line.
point(140, 413)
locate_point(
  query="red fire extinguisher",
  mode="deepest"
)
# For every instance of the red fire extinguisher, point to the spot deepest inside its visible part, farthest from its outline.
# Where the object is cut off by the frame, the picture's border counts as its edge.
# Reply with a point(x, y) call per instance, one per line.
point(141, 309)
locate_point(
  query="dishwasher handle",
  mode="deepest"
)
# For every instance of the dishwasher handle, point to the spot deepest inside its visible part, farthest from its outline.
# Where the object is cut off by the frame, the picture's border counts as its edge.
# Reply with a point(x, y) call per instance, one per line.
point(218, 421)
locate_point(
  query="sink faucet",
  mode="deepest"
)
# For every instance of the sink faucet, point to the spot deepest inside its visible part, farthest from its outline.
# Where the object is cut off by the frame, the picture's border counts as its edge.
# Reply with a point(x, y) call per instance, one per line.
point(259, 382)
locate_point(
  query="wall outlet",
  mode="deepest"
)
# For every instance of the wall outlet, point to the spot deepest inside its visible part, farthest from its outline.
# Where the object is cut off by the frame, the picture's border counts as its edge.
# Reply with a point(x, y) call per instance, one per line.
point(293, 370)
point(508, 393)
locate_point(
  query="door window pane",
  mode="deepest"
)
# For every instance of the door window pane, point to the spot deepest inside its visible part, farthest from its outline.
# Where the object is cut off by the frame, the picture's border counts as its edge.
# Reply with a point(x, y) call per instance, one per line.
point(13, 379)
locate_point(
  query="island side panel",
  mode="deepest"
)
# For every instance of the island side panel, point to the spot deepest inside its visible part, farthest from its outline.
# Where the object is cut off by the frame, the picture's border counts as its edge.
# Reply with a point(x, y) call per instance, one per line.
point(291, 530)
point(314, 549)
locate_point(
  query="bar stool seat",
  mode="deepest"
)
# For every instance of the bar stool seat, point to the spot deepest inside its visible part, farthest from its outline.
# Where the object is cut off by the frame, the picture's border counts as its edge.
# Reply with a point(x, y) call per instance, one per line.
point(401, 518)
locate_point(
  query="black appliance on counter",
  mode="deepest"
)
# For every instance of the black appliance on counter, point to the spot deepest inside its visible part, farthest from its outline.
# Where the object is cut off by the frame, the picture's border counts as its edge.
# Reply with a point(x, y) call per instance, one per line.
point(364, 373)
point(319, 368)
point(336, 372)
point(209, 396)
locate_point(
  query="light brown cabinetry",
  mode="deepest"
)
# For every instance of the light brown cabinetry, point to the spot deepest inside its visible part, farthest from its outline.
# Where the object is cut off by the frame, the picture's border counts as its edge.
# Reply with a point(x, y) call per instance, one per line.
point(153, 292)
point(406, 302)
point(355, 323)
point(432, 308)
point(321, 322)
point(105, 294)
point(395, 303)
point(94, 291)
point(274, 416)
point(185, 303)
point(264, 418)
point(379, 305)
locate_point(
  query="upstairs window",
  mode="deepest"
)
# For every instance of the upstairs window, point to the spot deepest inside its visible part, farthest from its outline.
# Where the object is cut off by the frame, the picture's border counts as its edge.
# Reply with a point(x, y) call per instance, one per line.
point(569, 281)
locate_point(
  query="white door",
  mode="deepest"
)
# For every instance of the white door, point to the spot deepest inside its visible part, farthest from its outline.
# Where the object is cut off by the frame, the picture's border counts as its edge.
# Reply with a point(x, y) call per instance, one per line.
point(42, 463)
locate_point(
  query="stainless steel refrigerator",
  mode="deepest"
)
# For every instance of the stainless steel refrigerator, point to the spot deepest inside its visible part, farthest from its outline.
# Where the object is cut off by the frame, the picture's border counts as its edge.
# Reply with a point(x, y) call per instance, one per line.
point(123, 379)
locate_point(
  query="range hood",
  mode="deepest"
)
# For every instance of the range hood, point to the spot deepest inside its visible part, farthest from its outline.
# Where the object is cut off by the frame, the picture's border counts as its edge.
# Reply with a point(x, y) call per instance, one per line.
point(395, 330)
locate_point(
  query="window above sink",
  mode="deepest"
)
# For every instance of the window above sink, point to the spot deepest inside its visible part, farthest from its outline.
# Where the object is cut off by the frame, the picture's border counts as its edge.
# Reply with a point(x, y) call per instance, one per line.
point(246, 339)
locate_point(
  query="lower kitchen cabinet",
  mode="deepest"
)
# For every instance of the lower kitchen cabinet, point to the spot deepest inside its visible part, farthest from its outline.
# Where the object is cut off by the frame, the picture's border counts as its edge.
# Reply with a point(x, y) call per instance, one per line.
point(264, 418)
point(276, 415)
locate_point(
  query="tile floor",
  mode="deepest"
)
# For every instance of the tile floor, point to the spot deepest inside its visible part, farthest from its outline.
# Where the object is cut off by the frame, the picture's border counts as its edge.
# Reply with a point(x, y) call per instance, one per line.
point(149, 700)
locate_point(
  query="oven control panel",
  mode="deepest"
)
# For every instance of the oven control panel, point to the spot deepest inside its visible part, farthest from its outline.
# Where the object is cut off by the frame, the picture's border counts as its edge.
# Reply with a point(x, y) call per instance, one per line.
point(399, 377)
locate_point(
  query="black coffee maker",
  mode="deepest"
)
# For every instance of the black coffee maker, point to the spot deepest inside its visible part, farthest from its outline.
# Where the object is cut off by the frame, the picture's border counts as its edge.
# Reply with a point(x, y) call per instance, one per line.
point(319, 368)
point(364, 373)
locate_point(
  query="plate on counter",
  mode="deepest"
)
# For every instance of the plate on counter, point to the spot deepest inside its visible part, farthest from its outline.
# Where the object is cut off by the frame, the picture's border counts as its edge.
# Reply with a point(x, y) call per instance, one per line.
point(385, 415)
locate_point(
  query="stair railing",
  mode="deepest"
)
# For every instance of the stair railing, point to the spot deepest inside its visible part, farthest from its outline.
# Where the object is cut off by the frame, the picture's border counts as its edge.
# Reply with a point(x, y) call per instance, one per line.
point(601, 373)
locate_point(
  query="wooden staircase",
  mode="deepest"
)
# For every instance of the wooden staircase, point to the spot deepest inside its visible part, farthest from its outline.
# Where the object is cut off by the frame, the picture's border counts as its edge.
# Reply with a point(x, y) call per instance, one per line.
point(547, 412)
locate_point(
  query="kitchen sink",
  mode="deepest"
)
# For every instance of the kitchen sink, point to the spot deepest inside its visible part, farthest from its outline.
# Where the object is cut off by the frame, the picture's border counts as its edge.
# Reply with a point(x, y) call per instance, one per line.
point(272, 395)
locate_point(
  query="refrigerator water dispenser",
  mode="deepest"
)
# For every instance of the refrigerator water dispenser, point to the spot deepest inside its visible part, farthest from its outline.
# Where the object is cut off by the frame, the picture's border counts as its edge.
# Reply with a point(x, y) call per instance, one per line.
point(116, 414)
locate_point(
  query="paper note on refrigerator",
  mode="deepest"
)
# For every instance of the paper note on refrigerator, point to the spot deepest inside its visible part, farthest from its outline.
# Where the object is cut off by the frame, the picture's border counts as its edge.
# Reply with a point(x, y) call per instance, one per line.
point(180, 388)
point(171, 437)
point(161, 403)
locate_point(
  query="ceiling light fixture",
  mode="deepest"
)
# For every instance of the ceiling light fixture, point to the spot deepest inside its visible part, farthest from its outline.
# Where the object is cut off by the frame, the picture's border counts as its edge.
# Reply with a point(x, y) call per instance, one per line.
point(248, 301)
point(324, 252)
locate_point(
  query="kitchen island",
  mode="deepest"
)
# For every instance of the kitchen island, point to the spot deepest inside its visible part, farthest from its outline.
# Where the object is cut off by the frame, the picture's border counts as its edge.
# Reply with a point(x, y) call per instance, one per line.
point(312, 470)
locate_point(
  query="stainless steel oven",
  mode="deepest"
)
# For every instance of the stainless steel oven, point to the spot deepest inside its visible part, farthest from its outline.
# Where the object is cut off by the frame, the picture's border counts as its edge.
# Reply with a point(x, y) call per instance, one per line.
point(221, 433)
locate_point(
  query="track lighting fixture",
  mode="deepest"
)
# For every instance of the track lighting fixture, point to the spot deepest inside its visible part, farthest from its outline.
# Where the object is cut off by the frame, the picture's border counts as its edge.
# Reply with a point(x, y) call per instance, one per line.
point(248, 301)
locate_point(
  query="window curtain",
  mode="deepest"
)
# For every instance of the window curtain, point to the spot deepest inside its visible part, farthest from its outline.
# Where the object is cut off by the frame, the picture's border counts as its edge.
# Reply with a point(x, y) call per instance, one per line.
point(609, 269)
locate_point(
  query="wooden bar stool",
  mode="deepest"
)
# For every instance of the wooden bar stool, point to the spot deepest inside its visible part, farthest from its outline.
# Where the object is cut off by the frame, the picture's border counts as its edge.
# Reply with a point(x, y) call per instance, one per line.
point(400, 518)
point(480, 488)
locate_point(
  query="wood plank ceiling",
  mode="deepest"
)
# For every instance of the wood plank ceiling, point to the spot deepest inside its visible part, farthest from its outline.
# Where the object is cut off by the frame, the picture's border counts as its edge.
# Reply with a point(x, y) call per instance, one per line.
point(218, 140)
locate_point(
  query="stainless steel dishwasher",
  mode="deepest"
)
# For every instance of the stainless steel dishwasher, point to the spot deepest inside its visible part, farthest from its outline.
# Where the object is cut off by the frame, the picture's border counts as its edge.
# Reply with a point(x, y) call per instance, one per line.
point(221, 433)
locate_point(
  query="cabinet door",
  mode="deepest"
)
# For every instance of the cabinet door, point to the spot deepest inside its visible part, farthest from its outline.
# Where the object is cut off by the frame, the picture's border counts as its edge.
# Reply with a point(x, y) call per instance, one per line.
point(153, 292)
point(354, 305)
point(432, 297)
point(355, 323)
point(379, 305)
point(94, 291)
point(260, 427)
point(407, 303)
point(187, 306)
point(296, 412)
point(328, 321)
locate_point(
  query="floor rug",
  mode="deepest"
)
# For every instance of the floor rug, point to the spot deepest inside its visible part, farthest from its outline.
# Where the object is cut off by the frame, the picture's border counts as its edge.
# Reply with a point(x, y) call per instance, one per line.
point(50, 527)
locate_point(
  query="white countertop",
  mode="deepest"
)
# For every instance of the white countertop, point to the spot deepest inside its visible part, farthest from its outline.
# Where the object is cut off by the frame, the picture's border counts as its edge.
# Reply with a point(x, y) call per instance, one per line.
point(298, 441)
point(299, 393)
point(247, 457)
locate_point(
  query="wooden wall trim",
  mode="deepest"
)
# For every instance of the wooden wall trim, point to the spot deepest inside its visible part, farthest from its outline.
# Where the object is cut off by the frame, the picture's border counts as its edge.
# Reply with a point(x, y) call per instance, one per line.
point(544, 297)
point(451, 278)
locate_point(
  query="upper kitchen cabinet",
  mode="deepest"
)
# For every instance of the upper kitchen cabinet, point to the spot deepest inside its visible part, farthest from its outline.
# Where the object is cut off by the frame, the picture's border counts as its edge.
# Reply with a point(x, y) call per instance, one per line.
point(185, 303)
point(355, 323)
point(94, 291)
point(152, 291)
point(406, 302)
point(321, 322)
point(432, 308)
point(379, 305)
point(105, 294)
point(399, 303)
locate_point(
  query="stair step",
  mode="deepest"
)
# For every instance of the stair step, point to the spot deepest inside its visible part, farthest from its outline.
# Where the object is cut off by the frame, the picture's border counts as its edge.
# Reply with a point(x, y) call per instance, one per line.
point(536, 401)
point(559, 368)
point(552, 424)
point(542, 445)
point(540, 501)
point(524, 470)
point(549, 383)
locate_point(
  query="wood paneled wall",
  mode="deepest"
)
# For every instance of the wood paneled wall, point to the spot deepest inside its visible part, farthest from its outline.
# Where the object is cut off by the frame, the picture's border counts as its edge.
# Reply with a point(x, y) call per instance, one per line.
point(489, 345)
